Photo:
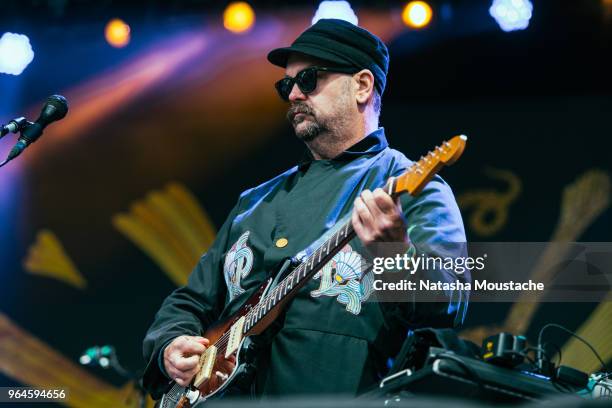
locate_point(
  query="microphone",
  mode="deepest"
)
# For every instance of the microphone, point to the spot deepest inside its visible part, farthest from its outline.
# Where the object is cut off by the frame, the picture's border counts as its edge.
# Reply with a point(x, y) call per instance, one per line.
point(55, 108)
point(14, 126)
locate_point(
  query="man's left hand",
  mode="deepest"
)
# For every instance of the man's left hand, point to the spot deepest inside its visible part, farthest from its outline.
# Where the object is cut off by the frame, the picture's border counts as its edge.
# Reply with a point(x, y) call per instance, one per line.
point(377, 218)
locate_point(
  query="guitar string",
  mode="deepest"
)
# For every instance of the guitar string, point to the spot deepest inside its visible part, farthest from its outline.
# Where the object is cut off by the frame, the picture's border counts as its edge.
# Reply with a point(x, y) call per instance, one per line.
point(223, 341)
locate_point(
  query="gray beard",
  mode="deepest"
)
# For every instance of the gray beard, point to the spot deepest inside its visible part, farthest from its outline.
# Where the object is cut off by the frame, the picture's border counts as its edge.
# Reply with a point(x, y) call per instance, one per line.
point(310, 132)
point(313, 127)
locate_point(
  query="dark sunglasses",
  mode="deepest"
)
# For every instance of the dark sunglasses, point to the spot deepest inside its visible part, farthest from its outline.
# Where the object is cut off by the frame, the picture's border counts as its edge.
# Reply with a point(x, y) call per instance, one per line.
point(306, 80)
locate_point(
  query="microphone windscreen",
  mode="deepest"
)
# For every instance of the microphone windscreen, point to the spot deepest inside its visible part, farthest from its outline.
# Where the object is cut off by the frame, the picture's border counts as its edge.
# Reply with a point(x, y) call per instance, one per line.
point(60, 104)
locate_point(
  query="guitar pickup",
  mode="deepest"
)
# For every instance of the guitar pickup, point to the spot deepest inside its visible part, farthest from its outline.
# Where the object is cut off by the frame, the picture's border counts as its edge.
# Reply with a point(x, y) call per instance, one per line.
point(235, 337)
point(207, 362)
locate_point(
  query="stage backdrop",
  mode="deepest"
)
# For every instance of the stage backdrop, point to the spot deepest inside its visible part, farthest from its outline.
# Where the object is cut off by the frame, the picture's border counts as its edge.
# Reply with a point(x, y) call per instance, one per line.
point(110, 210)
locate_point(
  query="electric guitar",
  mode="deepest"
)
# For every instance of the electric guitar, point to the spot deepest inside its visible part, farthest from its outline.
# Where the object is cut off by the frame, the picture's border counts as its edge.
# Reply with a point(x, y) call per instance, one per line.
point(233, 337)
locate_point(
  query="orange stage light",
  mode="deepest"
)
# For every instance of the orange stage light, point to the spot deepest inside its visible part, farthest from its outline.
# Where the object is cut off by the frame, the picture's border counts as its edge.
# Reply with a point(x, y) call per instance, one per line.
point(238, 17)
point(417, 14)
point(117, 33)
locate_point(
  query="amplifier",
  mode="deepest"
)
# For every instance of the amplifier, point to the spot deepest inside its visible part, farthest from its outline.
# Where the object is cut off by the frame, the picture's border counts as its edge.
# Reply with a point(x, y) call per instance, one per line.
point(450, 375)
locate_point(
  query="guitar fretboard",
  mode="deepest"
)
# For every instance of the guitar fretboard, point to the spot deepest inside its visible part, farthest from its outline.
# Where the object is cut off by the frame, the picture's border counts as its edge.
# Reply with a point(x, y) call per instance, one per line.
point(300, 275)
point(412, 182)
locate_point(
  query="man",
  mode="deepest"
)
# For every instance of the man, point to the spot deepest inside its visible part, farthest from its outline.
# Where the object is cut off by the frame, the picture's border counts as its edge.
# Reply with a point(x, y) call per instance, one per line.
point(331, 340)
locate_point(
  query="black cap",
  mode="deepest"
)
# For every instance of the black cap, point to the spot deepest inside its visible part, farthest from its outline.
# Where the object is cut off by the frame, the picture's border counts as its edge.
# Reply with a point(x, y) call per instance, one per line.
point(342, 44)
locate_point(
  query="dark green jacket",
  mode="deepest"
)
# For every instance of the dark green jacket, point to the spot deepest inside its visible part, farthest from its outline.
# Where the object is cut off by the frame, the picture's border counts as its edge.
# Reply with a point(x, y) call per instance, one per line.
point(332, 341)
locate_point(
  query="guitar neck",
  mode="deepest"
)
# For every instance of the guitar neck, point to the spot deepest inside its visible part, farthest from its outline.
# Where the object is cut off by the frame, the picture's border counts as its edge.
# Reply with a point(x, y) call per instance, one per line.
point(297, 278)
point(412, 182)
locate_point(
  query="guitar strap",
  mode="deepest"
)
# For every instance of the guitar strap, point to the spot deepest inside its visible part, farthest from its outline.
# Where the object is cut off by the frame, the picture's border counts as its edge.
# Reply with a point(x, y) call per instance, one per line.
point(282, 271)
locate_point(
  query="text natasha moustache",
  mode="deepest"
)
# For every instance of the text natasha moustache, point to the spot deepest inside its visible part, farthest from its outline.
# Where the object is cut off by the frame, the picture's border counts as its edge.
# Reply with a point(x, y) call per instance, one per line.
point(478, 285)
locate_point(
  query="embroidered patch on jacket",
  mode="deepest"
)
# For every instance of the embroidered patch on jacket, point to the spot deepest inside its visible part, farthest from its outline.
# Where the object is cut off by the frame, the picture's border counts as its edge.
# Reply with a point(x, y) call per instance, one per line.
point(341, 277)
point(238, 265)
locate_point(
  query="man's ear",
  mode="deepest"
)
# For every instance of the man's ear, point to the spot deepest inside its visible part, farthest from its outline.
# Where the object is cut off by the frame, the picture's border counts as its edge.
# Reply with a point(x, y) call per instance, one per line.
point(365, 85)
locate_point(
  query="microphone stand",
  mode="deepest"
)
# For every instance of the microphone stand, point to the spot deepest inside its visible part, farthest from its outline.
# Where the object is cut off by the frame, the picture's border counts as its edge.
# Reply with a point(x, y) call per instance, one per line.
point(4, 130)
point(20, 124)
point(14, 126)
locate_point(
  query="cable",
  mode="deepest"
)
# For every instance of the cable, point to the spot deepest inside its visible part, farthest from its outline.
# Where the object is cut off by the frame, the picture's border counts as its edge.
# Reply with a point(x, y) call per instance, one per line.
point(556, 348)
point(558, 326)
point(543, 350)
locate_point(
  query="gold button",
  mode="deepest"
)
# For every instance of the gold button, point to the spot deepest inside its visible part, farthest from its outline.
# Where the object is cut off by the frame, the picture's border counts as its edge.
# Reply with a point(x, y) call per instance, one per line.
point(281, 242)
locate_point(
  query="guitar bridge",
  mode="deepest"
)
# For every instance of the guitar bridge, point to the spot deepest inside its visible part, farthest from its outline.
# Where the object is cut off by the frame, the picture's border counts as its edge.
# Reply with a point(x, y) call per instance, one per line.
point(207, 362)
point(235, 337)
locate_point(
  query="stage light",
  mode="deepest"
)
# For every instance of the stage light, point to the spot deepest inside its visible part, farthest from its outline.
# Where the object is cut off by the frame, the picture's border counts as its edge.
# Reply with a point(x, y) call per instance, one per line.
point(238, 17)
point(117, 33)
point(15, 53)
point(340, 10)
point(417, 14)
point(511, 14)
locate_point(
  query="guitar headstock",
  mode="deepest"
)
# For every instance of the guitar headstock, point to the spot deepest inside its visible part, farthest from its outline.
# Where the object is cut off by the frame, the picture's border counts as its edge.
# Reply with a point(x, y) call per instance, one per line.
point(451, 150)
point(421, 172)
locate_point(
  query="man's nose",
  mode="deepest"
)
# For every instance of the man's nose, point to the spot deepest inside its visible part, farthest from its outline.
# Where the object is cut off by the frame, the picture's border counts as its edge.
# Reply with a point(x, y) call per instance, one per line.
point(296, 94)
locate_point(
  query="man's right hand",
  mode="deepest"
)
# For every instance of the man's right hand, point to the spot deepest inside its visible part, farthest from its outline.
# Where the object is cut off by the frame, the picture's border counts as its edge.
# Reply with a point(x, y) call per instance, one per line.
point(181, 358)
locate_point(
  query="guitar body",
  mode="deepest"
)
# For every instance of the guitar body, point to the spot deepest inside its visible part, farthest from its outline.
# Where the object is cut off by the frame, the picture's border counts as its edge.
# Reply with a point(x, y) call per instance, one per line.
point(183, 397)
point(229, 356)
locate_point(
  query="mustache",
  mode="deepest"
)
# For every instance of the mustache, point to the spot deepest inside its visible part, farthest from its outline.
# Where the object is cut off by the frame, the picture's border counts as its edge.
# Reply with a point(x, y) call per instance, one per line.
point(298, 107)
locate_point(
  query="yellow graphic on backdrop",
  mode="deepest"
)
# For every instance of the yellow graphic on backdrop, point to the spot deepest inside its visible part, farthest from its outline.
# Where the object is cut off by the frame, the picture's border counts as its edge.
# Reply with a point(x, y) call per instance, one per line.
point(170, 227)
point(47, 257)
point(31, 362)
point(582, 202)
point(490, 207)
point(597, 331)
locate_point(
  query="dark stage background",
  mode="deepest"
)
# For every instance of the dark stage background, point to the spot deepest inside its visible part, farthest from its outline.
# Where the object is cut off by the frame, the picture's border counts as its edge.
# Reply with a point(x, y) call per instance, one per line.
point(109, 211)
